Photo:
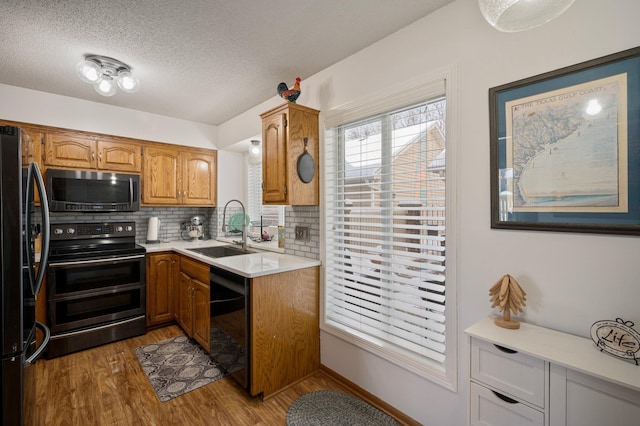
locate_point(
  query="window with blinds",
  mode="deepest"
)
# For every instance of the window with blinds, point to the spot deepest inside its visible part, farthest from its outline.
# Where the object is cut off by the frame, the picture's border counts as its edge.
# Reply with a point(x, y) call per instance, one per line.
point(386, 230)
point(271, 215)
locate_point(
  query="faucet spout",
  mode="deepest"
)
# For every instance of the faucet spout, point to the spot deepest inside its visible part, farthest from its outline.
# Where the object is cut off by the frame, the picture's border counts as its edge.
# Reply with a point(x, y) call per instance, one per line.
point(243, 226)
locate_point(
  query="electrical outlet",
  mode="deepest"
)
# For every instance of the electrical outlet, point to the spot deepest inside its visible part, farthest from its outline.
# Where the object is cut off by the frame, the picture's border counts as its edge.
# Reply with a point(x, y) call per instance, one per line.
point(302, 233)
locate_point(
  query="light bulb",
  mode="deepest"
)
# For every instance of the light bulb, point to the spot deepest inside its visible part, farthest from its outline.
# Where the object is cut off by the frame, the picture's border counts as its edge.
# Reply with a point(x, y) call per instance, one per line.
point(88, 71)
point(128, 82)
point(106, 87)
point(255, 150)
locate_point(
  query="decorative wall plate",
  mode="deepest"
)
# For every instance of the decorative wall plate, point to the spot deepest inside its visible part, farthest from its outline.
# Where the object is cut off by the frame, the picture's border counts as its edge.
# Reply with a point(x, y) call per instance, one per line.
point(617, 338)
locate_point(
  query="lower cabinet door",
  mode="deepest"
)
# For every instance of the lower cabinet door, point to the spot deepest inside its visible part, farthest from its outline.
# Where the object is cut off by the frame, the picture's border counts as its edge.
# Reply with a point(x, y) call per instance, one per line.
point(201, 304)
point(579, 399)
point(488, 409)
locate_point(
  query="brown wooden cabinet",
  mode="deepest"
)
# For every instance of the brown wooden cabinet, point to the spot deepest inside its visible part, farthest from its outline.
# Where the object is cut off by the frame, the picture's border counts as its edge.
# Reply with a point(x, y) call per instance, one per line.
point(192, 310)
point(284, 316)
point(199, 178)
point(80, 151)
point(31, 152)
point(162, 276)
point(284, 130)
point(285, 333)
point(31, 139)
point(173, 176)
point(117, 156)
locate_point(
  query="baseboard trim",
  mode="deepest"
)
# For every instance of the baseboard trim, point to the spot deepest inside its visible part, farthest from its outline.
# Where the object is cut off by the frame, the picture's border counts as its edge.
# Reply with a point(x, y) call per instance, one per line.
point(398, 415)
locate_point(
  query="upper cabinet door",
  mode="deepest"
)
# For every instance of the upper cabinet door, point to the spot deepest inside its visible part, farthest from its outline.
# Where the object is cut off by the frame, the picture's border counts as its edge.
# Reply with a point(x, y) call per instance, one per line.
point(199, 178)
point(274, 159)
point(119, 156)
point(161, 176)
point(71, 151)
point(290, 133)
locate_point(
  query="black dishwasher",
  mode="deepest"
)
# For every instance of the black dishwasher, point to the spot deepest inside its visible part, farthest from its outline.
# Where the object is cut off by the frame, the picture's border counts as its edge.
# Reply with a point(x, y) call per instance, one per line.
point(230, 346)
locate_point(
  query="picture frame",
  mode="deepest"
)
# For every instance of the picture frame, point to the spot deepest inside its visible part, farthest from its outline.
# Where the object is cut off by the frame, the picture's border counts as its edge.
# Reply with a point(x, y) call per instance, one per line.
point(565, 149)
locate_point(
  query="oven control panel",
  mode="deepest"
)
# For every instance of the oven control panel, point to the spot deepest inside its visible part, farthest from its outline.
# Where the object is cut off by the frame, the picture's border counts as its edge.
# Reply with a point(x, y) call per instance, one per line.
point(72, 231)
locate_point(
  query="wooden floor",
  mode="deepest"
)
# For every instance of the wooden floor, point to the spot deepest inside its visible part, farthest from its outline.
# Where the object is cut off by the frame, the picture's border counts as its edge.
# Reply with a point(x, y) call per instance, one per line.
point(106, 386)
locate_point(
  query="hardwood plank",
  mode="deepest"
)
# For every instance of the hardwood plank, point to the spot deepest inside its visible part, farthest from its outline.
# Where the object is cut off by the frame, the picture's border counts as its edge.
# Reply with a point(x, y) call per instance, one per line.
point(107, 386)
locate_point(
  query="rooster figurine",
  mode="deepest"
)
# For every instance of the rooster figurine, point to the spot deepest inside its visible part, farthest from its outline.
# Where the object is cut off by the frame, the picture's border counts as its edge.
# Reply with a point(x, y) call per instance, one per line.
point(289, 94)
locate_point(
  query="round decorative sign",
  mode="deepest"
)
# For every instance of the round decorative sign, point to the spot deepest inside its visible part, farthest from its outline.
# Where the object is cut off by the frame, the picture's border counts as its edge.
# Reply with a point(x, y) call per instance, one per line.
point(617, 338)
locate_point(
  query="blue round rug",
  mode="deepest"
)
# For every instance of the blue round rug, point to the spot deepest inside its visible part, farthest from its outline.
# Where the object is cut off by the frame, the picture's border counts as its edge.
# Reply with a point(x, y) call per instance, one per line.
point(328, 407)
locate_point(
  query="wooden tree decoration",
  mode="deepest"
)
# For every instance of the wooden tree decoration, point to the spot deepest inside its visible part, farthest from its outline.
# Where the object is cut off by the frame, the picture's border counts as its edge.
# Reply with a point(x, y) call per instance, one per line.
point(509, 297)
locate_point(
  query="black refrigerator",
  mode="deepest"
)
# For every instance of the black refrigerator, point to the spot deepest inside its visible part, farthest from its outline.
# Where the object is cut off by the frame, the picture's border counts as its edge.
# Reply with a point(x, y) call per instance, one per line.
point(20, 224)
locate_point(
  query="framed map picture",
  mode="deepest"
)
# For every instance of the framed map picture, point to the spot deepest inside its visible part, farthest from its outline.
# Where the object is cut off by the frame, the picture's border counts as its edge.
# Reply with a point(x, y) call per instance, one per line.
point(565, 149)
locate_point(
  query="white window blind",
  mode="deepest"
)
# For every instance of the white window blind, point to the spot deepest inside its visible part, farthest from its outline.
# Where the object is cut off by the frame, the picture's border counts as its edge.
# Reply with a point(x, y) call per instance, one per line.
point(386, 230)
point(271, 215)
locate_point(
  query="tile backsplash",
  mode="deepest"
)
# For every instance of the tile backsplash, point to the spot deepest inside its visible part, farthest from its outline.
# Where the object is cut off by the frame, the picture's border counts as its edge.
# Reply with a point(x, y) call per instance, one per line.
point(302, 216)
point(171, 219)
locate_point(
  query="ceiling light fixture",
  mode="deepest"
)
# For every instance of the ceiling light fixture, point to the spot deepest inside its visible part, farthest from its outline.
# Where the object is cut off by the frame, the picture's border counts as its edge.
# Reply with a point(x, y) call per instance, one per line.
point(519, 15)
point(255, 150)
point(107, 74)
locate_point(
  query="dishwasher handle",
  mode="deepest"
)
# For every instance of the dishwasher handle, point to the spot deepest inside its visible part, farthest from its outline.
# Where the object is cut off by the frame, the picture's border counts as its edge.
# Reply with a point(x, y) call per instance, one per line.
point(238, 287)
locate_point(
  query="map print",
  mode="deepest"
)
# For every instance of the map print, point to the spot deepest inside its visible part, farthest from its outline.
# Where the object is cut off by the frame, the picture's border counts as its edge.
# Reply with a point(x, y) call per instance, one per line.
point(567, 149)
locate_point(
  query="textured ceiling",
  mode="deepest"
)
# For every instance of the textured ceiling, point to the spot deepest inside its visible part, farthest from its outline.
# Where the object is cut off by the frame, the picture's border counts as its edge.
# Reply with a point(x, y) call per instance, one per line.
point(199, 60)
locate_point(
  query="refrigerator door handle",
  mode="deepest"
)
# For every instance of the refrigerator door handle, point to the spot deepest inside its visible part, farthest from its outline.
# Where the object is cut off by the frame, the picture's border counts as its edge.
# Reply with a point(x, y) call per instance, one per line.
point(34, 175)
point(42, 347)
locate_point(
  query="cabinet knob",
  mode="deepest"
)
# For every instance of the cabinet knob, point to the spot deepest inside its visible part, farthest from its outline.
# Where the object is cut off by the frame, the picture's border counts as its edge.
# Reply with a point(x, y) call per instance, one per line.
point(100, 157)
point(93, 155)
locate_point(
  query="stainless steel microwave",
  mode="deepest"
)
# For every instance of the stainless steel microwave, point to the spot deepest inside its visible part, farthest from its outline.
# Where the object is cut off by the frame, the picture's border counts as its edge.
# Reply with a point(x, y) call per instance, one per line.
point(84, 191)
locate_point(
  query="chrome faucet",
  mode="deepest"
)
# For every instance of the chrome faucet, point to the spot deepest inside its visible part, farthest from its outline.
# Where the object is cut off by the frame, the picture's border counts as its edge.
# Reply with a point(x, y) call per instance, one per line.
point(243, 242)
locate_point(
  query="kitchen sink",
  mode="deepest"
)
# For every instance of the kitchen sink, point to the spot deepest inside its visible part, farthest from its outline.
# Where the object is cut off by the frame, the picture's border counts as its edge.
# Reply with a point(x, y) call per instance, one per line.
point(221, 251)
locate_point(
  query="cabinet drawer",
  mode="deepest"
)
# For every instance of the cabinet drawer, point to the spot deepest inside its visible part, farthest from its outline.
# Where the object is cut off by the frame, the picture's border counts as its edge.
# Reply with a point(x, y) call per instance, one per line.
point(487, 409)
point(195, 269)
point(513, 373)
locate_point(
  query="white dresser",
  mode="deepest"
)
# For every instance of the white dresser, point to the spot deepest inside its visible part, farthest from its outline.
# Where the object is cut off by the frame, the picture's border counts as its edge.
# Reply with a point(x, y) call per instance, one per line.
point(538, 376)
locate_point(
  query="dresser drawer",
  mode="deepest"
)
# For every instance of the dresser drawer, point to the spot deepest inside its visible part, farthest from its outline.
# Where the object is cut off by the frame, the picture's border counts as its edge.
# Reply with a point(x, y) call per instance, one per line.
point(488, 409)
point(514, 374)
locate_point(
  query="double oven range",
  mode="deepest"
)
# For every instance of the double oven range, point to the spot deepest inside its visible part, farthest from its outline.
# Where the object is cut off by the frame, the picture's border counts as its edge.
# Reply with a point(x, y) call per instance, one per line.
point(95, 285)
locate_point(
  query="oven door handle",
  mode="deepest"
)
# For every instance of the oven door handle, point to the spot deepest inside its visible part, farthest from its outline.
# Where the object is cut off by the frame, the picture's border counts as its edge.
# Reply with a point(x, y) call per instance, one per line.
point(96, 261)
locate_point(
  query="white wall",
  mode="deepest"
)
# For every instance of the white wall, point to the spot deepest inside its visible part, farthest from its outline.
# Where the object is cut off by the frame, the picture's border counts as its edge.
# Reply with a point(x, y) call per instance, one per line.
point(572, 280)
point(232, 178)
point(32, 106)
